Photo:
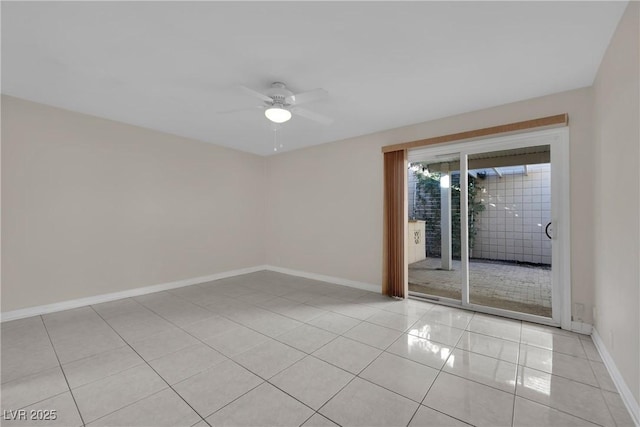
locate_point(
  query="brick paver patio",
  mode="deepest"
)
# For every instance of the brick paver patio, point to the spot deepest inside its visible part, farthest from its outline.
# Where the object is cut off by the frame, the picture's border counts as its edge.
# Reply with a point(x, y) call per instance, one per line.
point(517, 287)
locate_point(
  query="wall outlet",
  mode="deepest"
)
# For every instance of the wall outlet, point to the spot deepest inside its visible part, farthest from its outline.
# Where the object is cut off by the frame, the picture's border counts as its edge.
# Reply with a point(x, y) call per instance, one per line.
point(579, 311)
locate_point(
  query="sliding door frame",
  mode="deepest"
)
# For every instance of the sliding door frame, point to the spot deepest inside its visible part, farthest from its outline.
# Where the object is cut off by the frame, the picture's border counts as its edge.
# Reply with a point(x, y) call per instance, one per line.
point(558, 140)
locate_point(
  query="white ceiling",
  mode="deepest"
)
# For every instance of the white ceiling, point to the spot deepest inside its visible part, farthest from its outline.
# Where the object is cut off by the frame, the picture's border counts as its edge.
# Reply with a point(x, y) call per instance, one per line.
point(171, 66)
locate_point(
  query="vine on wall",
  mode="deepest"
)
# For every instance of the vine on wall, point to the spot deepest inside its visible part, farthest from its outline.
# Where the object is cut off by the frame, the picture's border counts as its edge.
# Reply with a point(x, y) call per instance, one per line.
point(428, 209)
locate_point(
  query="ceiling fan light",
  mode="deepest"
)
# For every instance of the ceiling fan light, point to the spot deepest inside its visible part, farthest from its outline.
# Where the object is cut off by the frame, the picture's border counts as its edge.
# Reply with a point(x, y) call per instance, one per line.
point(277, 115)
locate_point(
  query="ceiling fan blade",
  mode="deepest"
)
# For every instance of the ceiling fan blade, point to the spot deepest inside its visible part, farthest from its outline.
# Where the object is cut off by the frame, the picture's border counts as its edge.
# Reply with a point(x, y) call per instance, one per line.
point(239, 110)
point(256, 94)
point(312, 116)
point(304, 97)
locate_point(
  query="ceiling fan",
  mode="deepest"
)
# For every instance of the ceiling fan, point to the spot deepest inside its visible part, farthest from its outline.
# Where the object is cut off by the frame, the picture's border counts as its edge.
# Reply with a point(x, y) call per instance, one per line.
point(280, 103)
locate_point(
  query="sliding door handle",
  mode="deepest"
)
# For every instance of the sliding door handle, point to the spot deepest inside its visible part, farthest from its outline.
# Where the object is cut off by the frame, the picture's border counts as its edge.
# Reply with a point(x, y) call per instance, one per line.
point(546, 231)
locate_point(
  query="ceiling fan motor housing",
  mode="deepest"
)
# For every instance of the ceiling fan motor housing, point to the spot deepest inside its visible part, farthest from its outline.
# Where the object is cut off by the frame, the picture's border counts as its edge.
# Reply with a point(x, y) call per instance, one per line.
point(279, 93)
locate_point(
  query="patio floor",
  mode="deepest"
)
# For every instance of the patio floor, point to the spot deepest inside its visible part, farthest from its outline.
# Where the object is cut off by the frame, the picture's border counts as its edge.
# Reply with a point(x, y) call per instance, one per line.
point(516, 287)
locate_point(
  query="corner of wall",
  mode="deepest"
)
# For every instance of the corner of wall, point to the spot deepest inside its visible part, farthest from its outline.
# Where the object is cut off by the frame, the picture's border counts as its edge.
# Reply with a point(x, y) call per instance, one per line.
point(616, 112)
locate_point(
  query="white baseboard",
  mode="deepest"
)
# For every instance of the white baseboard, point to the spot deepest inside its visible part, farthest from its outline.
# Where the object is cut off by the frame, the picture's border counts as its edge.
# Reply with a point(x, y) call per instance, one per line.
point(581, 328)
point(330, 279)
point(81, 302)
point(621, 385)
point(97, 299)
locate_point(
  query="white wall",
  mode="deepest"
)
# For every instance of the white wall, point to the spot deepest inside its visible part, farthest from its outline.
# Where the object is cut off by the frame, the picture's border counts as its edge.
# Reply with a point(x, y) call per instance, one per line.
point(100, 206)
point(92, 206)
point(324, 210)
point(616, 198)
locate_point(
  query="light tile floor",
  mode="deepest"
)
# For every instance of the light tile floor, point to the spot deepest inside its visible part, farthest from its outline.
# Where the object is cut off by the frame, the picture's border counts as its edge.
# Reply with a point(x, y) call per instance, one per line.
point(269, 349)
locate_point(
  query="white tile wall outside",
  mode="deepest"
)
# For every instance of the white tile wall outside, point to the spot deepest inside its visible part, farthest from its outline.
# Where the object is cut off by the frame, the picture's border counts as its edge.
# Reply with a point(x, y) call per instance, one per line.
point(518, 208)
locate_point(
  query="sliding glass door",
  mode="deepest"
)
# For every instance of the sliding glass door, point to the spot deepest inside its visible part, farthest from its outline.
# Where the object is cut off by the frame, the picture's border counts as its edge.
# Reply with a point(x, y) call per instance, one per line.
point(509, 260)
point(494, 216)
point(434, 250)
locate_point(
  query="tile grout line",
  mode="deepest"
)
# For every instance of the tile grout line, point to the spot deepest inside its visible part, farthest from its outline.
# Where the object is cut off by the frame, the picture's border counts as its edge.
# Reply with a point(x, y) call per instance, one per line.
point(66, 363)
point(266, 309)
point(515, 388)
point(438, 375)
point(250, 328)
point(235, 399)
point(264, 380)
point(201, 340)
point(561, 411)
point(443, 413)
point(129, 405)
point(346, 302)
point(563, 377)
point(281, 342)
point(230, 359)
point(112, 374)
point(267, 380)
point(62, 370)
point(338, 367)
point(363, 369)
point(360, 321)
point(551, 374)
point(358, 375)
point(84, 358)
point(601, 389)
point(306, 355)
point(494, 358)
point(405, 333)
point(41, 400)
point(151, 367)
point(296, 399)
